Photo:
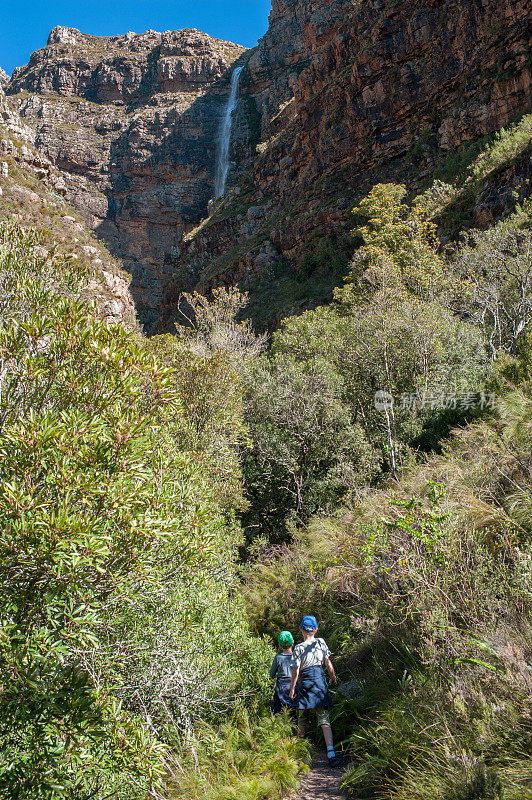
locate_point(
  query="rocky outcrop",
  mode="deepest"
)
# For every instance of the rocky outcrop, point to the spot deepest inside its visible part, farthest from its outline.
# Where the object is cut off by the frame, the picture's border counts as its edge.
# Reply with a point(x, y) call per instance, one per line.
point(22, 152)
point(4, 78)
point(340, 94)
point(32, 193)
point(132, 120)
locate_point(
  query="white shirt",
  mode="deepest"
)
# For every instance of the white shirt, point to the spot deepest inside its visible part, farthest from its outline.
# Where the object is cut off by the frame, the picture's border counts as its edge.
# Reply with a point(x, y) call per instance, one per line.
point(311, 653)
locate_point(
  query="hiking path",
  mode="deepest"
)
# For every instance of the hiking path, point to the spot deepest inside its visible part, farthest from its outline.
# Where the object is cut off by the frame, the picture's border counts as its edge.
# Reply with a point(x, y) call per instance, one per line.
point(322, 782)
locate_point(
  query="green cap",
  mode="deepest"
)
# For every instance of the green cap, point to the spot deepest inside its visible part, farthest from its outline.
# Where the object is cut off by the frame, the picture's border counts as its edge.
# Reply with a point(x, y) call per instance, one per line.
point(285, 639)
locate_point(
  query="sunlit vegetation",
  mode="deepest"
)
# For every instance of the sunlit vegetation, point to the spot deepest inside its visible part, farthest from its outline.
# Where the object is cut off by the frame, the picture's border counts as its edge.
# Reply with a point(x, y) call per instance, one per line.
point(167, 505)
point(120, 626)
point(421, 573)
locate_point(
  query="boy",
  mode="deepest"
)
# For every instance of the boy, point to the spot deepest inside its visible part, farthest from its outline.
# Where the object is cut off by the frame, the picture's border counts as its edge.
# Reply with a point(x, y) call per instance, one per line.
point(307, 666)
point(281, 670)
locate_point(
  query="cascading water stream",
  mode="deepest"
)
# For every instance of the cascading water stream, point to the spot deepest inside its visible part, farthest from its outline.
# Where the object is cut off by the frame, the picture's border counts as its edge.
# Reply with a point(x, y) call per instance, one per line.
point(224, 137)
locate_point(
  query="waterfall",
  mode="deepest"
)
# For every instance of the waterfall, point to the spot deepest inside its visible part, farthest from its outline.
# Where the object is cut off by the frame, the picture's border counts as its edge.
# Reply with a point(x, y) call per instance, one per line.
point(224, 137)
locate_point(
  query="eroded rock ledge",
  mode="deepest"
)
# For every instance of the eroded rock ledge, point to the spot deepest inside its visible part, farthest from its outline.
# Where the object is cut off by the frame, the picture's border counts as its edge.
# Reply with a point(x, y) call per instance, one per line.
point(32, 193)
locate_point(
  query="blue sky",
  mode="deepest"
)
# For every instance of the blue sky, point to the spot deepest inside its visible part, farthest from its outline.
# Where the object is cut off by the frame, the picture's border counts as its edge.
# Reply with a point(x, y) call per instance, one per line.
point(26, 23)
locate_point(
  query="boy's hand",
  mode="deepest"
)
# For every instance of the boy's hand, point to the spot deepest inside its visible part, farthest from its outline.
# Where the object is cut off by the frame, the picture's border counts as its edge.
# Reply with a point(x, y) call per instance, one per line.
point(292, 694)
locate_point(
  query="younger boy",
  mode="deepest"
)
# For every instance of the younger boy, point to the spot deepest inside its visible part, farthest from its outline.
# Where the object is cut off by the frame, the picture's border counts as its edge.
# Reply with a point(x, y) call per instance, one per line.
point(281, 670)
point(307, 667)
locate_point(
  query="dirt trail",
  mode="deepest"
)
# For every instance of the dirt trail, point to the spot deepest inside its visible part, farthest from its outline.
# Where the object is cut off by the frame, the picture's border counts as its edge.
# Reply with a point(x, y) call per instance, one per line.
point(322, 782)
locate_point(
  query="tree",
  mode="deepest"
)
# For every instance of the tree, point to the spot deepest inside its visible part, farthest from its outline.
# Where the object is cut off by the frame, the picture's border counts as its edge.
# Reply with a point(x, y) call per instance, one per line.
point(496, 268)
point(213, 325)
point(306, 452)
point(211, 423)
point(399, 246)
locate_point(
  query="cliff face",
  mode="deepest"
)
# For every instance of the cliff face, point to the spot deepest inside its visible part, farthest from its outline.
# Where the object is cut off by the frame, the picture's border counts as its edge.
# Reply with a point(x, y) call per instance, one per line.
point(131, 119)
point(32, 193)
point(344, 94)
point(339, 94)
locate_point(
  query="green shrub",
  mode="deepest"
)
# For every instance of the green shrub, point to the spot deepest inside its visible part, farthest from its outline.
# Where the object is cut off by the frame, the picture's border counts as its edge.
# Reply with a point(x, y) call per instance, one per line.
point(399, 246)
point(509, 143)
point(120, 626)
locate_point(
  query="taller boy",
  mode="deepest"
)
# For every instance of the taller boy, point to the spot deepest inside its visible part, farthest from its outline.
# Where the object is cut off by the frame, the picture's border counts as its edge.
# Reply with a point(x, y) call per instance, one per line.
point(307, 663)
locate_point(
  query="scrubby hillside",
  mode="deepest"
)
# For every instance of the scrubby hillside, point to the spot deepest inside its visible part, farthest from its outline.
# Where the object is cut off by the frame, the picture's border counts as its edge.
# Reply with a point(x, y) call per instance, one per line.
point(424, 592)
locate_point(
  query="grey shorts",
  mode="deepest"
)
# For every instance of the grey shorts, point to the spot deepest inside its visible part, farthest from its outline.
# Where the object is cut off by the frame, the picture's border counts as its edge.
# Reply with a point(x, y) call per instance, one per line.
point(322, 715)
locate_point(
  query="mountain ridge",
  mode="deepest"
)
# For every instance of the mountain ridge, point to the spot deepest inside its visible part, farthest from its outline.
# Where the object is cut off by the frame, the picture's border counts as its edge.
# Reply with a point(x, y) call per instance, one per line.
point(335, 96)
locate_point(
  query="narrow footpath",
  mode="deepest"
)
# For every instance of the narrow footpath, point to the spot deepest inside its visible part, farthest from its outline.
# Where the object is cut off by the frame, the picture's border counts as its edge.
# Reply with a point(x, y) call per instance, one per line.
point(322, 782)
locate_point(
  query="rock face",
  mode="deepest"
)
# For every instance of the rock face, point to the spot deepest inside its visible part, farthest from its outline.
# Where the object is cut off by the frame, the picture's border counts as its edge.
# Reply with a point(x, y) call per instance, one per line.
point(23, 153)
point(339, 94)
point(32, 192)
point(132, 119)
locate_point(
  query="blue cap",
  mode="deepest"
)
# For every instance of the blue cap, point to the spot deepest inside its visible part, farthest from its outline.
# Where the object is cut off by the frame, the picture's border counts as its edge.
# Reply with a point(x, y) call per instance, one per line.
point(309, 623)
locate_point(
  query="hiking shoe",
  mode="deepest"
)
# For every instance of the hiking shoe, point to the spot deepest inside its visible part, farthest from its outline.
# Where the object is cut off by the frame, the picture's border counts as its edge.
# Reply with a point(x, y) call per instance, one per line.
point(335, 761)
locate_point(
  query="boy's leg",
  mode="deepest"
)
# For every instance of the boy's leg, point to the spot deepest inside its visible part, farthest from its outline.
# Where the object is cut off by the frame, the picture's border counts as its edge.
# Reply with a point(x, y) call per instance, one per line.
point(301, 722)
point(328, 735)
point(325, 723)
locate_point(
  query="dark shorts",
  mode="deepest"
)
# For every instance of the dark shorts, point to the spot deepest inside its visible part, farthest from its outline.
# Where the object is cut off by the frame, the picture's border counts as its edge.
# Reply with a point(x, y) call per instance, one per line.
point(281, 696)
point(313, 689)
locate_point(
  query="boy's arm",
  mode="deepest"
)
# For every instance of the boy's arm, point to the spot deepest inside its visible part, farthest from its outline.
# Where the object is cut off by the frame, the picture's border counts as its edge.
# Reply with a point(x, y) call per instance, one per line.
point(330, 669)
point(295, 676)
point(273, 668)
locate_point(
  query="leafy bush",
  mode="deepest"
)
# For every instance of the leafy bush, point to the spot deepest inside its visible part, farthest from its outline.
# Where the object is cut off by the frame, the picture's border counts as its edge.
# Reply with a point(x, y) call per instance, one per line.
point(399, 245)
point(120, 627)
point(509, 143)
